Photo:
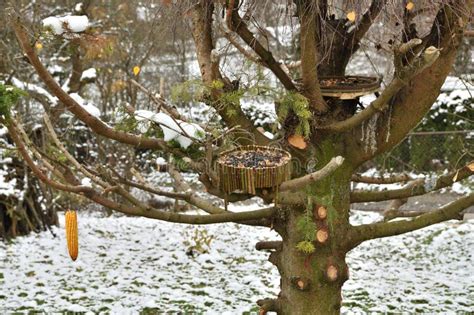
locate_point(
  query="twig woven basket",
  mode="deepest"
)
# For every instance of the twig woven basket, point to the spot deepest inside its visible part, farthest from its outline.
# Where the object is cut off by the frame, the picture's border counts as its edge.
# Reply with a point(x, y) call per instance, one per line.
point(249, 175)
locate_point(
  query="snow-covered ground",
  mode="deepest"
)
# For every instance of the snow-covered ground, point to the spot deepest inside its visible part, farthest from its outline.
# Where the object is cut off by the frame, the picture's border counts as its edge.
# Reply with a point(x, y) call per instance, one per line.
point(131, 264)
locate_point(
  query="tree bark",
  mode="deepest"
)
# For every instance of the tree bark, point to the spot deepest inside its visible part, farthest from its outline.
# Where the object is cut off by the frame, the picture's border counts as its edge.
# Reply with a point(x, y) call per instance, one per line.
point(312, 283)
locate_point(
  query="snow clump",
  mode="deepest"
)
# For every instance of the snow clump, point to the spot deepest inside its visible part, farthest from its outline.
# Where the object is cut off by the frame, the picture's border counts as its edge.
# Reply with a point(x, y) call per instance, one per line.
point(69, 23)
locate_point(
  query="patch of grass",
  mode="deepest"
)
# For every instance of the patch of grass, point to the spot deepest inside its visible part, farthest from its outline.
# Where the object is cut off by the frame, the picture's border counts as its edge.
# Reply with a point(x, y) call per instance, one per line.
point(45, 262)
point(40, 302)
point(30, 273)
point(429, 239)
point(138, 283)
point(150, 311)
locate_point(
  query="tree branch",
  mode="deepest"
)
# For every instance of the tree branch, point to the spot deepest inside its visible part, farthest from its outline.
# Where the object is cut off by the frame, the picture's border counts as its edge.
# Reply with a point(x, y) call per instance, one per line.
point(383, 229)
point(74, 162)
point(249, 54)
point(413, 188)
point(409, 105)
point(356, 35)
point(97, 125)
point(138, 209)
point(392, 214)
point(381, 180)
point(400, 80)
point(160, 101)
point(299, 183)
point(308, 12)
point(269, 245)
point(236, 24)
point(192, 197)
point(10, 124)
point(201, 15)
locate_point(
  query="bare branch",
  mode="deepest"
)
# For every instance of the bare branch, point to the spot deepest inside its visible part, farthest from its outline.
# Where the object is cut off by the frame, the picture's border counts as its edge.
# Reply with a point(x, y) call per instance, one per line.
point(268, 245)
point(147, 188)
point(11, 125)
point(392, 214)
point(192, 196)
point(139, 209)
point(185, 218)
point(160, 101)
point(393, 207)
point(413, 188)
point(400, 80)
point(383, 229)
point(235, 23)
point(381, 180)
point(232, 38)
point(309, 56)
point(201, 15)
point(409, 105)
point(298, 183)
point(74, 162)
point(364, 25)
point(97, 125)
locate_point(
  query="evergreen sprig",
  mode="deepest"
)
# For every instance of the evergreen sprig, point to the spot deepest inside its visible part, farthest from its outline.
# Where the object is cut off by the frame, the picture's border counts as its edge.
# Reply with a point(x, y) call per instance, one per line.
point(9, 96)
point(293, 102)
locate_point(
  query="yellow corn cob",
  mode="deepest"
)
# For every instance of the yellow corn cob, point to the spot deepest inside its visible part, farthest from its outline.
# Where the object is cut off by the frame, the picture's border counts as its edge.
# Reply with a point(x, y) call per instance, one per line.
point(71, 234)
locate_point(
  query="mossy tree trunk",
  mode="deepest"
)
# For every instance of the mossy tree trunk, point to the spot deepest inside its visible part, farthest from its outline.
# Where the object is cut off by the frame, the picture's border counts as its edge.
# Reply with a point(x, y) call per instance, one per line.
point(311, 283)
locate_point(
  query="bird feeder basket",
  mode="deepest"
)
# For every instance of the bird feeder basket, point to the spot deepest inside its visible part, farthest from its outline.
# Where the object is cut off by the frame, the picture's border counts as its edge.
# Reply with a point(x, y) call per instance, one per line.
point(348, 87)
point(248, 168)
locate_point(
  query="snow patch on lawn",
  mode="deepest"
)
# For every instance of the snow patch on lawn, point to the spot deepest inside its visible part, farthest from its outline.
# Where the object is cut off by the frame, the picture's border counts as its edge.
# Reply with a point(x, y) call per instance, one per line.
point(129, 264)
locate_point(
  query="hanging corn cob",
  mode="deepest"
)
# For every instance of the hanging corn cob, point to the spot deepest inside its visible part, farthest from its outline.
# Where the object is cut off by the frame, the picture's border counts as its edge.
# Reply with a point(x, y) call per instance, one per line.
point(72, 234)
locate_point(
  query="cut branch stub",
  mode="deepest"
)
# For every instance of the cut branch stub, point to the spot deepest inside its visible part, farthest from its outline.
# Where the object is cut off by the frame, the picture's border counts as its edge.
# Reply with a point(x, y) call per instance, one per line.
point(322, 235)
point(332, 273)
point(300, 283)
point(320, 212)
point(248, 168)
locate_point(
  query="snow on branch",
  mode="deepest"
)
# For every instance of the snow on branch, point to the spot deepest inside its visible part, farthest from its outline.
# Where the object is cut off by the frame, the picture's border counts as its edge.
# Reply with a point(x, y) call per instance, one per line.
point(65, 24)
point(183, 132)
point(89, 107)
point(89, 74)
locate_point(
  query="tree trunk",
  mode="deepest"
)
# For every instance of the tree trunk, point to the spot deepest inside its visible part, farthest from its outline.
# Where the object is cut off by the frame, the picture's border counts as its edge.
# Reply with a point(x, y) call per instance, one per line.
point(311, 282)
